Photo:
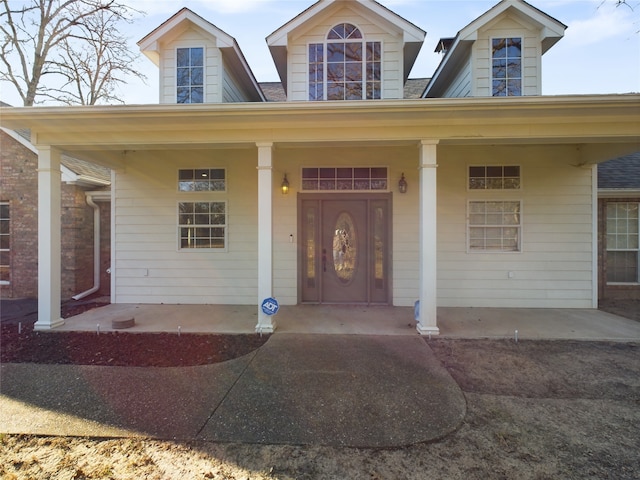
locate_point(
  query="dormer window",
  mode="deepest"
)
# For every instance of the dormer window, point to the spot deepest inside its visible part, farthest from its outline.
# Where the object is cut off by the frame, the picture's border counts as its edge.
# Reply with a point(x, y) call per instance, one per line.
point(506, 69)
point(345, 67)
point(190, 75)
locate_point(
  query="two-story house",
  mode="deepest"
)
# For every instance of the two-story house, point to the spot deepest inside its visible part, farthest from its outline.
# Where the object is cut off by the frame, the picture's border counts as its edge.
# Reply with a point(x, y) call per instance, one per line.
point(481, 193)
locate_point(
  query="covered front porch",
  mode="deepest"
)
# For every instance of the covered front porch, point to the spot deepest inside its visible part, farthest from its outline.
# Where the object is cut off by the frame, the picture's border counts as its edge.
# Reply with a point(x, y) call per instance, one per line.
point(433, 142)
point(453, 322)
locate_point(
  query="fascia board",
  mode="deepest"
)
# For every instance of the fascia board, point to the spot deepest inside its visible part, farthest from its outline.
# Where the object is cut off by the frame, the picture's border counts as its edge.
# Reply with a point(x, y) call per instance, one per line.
point(280, 36)
point(279, 55)
point(242, 70)
point(153, 40)
point(71, 178)
point(549, 25)
point(99, 195)
point(10, 115)
point(112, 119)
point(68, 176)
point(84, 181)
point(411, 32)
point(20, 139)
point(618, 192)
point(456, 54)
point(152, 53)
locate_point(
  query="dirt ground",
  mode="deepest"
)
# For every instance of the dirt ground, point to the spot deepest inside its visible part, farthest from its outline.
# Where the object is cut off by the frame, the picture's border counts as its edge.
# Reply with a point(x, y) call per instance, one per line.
point(535, 410)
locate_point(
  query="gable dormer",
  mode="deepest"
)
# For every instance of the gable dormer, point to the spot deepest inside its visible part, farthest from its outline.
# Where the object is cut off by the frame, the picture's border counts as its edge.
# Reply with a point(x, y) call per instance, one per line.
point(199, 63)
point(345, 50)
point(498, 54)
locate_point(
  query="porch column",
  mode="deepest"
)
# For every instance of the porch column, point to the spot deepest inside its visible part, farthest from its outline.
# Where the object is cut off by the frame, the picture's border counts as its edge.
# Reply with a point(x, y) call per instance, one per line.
point(265, 232)
point(49, 244)
point(428, 247)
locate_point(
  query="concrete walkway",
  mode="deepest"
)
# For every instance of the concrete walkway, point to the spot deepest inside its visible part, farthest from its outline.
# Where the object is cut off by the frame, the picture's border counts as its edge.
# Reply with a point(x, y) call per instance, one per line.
point(368, 381)
point(337, 390)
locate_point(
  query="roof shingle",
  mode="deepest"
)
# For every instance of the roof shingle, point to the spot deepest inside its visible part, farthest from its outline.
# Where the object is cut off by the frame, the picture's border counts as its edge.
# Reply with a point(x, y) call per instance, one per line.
point(623, 172)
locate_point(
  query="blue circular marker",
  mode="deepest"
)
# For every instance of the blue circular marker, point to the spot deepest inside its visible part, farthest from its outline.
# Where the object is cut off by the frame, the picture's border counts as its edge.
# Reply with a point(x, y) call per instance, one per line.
point(270, 306)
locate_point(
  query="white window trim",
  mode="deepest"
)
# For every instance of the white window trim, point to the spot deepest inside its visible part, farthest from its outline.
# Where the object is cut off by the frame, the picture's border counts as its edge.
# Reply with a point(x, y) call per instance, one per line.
point(519, 35)
point(365, 39)
point(387, 190)
point(204, 72)
point(607, 250)
point(495, 191)
point(520, 227)
point(226, 227)
point(192, 192)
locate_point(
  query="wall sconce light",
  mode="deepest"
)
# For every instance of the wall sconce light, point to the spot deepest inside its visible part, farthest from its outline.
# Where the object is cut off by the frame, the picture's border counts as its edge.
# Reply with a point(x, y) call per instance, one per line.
point(402, 184)
point(284, 186)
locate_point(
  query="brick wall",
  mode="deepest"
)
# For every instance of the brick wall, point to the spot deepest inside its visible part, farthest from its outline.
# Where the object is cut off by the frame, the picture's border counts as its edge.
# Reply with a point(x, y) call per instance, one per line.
point(19, 187)
point(77, 242)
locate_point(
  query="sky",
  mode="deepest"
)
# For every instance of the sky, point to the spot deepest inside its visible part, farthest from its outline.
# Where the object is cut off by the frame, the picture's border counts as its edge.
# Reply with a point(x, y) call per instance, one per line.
point(599, 54)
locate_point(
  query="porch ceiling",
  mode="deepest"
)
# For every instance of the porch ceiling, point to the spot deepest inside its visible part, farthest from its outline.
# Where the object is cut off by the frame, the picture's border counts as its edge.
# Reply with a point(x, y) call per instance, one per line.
point(603, 126)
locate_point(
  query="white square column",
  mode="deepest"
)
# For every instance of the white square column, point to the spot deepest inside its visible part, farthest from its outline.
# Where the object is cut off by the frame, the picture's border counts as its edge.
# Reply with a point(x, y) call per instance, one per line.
point(266, 323)
point(49, 238)
point(427, 319)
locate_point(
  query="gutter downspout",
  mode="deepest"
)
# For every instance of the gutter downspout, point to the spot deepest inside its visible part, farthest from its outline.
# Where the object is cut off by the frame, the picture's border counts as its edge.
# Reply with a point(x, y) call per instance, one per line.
point(101, 195)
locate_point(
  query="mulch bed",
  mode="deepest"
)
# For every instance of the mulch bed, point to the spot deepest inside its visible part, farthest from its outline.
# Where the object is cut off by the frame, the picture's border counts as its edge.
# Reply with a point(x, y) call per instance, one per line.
point(146, 349)
point(118, 348)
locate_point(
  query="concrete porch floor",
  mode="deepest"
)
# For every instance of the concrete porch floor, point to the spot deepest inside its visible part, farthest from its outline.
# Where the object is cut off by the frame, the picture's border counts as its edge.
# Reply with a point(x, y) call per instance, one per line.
point(575, 324)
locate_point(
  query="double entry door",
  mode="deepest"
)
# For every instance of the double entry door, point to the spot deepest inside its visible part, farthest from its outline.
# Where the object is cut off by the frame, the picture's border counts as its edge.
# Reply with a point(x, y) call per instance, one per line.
point(345, 248)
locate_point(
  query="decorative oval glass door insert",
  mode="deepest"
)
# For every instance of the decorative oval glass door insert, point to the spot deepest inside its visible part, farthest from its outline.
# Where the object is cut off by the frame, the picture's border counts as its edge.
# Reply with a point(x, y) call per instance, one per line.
point(345, 253)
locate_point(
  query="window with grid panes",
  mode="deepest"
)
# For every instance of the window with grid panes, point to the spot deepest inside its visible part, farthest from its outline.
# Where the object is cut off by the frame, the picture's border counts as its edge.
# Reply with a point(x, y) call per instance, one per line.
point(190, 75)
point(494, 177)
point(623, 245)
point(506, 67)
point(5, 242)
point(344, 178)
point(494, 226)
point(202, 224)
point(202, 180)
point(345, 66)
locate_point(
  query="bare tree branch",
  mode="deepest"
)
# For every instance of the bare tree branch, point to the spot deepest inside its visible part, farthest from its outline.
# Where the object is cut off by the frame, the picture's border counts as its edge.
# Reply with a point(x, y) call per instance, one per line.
point(95, 62)
point(617, 2)
point(36, 33)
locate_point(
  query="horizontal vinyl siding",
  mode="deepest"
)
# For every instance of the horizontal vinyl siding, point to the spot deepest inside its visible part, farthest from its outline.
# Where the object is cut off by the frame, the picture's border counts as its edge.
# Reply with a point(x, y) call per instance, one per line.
point(392, 68)
point(149, 267)
point(231, 90)
point(461, 84)
point(553, 270)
